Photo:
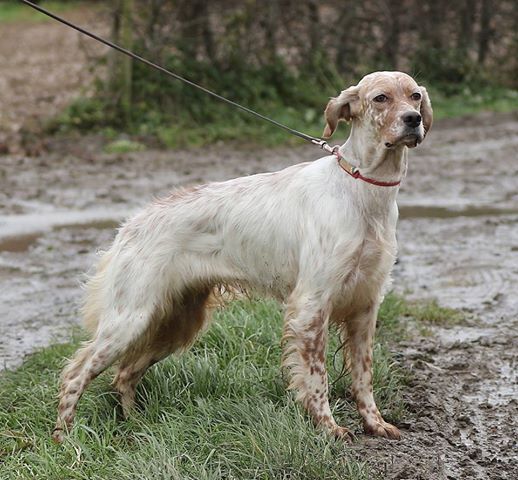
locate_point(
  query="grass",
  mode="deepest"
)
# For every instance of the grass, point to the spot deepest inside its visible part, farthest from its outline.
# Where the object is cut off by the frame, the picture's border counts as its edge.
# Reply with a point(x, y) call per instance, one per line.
point(473, 100)
point(123, 146)
point(432, 313)
point(14, 11)
point(219, 411)
point(420, 317)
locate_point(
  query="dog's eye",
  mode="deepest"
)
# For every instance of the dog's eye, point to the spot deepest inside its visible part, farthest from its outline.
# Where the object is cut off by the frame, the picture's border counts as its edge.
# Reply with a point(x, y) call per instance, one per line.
point(380, 98)
point(415, 96)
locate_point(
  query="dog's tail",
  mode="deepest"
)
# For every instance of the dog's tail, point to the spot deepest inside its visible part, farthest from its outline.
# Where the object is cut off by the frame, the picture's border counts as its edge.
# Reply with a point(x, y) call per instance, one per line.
point(92, 306)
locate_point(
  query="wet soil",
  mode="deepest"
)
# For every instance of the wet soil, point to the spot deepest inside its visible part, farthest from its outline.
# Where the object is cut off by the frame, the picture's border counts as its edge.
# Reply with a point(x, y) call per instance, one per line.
point(458, 238)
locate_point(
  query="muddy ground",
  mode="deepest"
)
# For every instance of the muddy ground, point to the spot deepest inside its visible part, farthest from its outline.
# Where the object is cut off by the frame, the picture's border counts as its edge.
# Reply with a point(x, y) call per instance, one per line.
point(458, 238)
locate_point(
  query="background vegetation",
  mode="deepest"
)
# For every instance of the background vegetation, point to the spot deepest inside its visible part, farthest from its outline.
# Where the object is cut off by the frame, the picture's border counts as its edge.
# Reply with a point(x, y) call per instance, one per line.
point(286, 57)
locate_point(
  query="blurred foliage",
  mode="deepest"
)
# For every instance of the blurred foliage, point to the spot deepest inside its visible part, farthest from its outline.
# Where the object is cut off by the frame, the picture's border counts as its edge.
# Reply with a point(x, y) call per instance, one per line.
point(15, 11)
point(285, 58)
point(179, 115)
point(123, 146)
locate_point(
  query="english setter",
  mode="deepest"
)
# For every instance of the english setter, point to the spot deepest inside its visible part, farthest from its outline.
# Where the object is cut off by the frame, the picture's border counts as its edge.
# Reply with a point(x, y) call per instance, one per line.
point(319, 236)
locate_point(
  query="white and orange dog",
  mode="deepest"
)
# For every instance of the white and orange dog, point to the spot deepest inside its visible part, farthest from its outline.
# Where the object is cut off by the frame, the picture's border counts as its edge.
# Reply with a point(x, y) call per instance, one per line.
point(313, 235)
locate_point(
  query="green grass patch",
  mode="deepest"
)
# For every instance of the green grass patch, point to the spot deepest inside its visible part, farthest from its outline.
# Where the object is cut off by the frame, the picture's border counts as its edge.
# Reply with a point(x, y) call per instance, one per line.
point(471, 100)
point(124, 146)
point(420, 316)
point(219, 411)
point(14, 11)
point(432, 313)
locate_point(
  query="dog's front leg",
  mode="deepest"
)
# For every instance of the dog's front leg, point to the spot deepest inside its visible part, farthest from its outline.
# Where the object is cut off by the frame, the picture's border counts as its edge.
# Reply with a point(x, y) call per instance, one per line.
point(305, 342)
point(360, 336)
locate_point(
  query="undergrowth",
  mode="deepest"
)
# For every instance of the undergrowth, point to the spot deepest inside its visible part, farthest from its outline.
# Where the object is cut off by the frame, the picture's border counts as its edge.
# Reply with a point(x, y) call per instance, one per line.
point(178, 115)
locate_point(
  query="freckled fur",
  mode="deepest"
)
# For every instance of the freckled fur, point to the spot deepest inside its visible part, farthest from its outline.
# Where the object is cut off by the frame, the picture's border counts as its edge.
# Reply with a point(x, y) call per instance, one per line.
point(309, 235)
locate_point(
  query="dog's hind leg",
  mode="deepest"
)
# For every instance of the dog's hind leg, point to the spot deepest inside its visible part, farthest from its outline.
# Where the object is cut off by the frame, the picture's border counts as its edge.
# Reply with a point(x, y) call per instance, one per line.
point(112, 339)
point(305, 337)
point(131, 369)
point(175, 333)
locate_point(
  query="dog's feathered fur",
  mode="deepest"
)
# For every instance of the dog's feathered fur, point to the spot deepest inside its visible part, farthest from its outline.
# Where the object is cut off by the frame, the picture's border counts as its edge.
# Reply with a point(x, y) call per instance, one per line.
point(311, 235)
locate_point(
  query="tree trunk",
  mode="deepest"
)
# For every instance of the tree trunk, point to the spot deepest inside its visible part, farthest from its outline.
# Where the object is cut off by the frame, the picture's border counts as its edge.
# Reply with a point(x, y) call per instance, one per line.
point(467, 24)
point(485, 30)
point(393, 33)
point(314, 27)
point(270, 27)
point(208, 37)
point(121, 65)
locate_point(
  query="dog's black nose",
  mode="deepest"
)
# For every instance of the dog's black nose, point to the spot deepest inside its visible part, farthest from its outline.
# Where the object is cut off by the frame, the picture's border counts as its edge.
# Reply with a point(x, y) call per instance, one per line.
point(412, 119)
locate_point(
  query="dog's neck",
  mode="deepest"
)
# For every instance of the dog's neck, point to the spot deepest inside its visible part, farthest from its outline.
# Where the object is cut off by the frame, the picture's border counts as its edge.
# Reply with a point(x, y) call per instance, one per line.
point(372, 157)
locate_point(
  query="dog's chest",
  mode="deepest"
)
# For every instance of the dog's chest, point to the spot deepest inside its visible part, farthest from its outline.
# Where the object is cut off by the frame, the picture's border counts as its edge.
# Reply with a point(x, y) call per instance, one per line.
point(367, 268)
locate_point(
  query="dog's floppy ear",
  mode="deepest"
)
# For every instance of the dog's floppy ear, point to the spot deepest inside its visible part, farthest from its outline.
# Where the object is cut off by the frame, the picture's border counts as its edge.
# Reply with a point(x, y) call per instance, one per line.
point(426, 110)
point(343, 107)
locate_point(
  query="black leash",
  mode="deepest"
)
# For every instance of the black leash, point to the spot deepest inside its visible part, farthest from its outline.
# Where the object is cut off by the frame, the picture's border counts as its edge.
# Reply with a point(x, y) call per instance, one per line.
point(316, 141)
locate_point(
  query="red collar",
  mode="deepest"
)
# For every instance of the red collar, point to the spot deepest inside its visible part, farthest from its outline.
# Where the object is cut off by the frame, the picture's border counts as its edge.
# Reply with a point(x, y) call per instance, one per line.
point(355, 172)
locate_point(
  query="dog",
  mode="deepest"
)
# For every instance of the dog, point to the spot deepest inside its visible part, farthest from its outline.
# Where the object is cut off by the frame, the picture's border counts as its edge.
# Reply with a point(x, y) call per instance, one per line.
point(319, 236)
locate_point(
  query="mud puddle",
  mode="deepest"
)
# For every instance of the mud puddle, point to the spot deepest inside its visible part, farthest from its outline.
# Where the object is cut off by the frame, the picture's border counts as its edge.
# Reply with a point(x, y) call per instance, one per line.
point(19, 243)
point(19, 232)
point(422, 211)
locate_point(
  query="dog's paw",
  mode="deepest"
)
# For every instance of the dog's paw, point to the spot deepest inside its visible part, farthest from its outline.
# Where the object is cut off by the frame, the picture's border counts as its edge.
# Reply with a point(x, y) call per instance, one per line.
point(58, 435)
point(382, 429)
point(342, 433)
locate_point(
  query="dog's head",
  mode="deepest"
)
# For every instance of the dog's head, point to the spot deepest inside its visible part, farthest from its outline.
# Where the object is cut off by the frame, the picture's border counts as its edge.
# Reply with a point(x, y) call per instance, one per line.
point(389, 105)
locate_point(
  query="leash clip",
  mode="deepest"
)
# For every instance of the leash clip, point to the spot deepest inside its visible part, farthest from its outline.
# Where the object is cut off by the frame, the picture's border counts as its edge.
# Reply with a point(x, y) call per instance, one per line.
point(325, 146)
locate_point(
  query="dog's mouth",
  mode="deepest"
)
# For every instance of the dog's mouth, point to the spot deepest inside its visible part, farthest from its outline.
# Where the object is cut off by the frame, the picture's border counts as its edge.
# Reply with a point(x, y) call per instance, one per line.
point(410, 140)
